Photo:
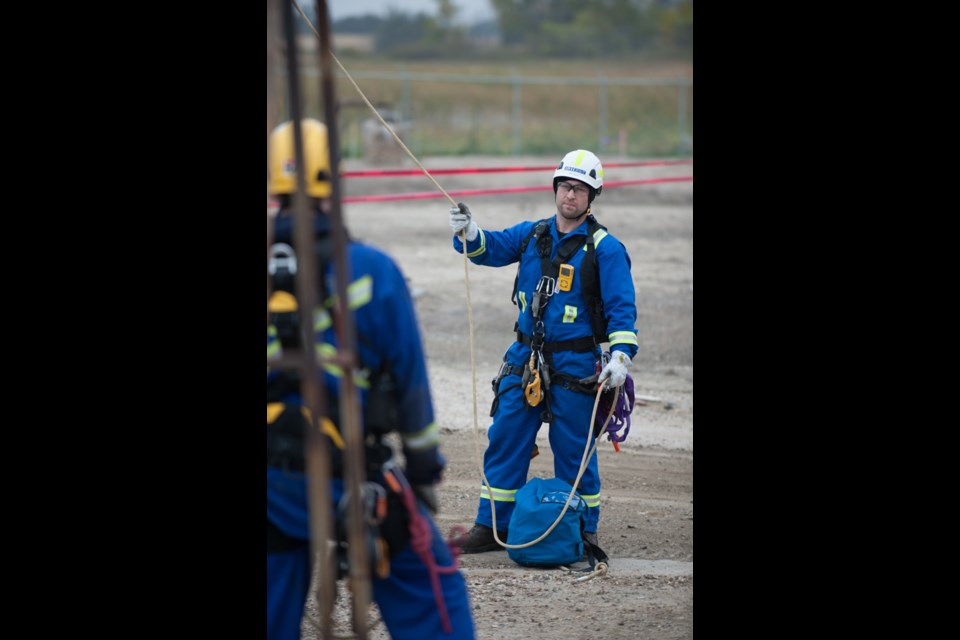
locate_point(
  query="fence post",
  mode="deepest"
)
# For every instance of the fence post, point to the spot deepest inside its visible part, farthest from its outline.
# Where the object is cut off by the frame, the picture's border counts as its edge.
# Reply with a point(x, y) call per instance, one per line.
point(603, 111)
point(516, 114)
point(681, 117)
point(405, 114)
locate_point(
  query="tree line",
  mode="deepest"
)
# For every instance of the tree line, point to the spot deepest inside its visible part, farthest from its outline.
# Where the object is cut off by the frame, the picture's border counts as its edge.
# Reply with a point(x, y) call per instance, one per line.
point(536, 28)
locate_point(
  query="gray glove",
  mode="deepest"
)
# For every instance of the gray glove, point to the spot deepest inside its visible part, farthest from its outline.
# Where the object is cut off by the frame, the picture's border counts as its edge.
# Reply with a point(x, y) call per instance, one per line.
point(460, 219)
point(615, 371)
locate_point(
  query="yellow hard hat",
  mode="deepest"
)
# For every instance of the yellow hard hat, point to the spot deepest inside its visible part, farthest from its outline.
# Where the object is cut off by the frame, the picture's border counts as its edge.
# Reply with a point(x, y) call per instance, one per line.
point(316, 157)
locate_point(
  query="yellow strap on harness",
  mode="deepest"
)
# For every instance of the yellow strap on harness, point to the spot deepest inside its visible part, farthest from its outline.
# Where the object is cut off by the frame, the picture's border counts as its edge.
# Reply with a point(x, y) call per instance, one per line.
point(282, 302)
point(274, 409)
point(327, 427)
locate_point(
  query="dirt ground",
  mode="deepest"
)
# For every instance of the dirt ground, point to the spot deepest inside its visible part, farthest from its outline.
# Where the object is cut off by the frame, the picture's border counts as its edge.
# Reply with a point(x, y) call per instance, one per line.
point(646, 521)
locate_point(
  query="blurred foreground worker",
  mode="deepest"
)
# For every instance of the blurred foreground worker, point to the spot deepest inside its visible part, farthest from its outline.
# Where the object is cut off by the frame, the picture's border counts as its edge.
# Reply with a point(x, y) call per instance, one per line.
point(419, 590)
point(574, 291)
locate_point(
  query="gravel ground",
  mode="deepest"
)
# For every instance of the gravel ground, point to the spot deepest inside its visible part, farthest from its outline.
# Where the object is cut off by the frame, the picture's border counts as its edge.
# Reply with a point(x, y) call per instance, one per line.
point(646, 524)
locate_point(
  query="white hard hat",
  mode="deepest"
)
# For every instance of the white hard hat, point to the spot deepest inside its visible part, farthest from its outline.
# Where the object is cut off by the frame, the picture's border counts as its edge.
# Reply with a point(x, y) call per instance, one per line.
point(580, 165)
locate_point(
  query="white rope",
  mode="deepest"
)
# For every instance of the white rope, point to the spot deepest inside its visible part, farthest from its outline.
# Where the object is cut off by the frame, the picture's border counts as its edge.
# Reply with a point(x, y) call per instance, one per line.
point(466, 278)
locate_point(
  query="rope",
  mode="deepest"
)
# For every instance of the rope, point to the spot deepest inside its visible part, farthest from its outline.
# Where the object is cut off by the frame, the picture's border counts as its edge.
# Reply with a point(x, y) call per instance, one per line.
point(466, 277)
point(600, 570)
point(421, 539)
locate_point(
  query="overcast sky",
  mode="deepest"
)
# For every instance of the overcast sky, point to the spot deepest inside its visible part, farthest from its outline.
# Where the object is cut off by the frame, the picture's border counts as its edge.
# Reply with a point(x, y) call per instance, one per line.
point(470, 10)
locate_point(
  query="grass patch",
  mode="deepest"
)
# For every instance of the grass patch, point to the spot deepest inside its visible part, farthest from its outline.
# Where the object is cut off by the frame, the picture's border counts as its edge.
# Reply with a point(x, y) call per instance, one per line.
point(533, 107)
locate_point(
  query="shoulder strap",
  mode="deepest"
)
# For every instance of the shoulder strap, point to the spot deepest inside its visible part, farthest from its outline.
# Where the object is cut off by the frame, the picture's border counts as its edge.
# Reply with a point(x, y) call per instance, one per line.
point(590, 279)
point(543, 241)
point(591, 284)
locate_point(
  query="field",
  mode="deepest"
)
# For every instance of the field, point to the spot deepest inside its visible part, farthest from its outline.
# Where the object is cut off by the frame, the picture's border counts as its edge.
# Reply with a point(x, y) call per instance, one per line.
point(646, 524)
point(525, 107)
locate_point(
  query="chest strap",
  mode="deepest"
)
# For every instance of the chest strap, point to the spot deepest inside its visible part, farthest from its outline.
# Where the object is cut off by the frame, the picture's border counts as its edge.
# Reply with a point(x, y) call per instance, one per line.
point(580, 345)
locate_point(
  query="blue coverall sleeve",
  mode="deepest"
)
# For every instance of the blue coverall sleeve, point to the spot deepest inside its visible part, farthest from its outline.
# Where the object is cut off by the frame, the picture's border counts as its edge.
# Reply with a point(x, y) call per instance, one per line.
point(619, 295)
point(402, 349)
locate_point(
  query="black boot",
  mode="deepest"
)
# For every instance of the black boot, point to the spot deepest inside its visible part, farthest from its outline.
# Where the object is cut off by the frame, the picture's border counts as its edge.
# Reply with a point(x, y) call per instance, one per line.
point(480, 539)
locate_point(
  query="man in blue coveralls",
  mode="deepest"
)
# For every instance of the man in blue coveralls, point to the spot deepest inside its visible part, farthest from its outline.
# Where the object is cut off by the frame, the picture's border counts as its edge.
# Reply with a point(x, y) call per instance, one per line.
point(416, 585)
point(574, 292)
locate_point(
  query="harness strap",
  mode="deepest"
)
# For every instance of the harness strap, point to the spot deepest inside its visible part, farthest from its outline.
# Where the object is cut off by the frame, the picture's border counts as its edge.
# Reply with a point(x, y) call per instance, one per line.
point(595, 555)
point(579, 345)
point(591, 286)
point(535, 233)
point(506, 369)
point(583, 385)
point(511, 370)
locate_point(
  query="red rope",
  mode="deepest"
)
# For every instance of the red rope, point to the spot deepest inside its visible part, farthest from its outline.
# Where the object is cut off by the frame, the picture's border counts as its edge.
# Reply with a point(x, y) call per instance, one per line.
point(421, 539)
point(425, 195)
point(382, 173)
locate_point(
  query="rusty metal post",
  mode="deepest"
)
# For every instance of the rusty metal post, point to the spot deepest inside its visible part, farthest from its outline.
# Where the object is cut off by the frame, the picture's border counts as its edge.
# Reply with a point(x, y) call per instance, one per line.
point(271, 116)
point(307, 361)
point(317, 457)
point(350, 410)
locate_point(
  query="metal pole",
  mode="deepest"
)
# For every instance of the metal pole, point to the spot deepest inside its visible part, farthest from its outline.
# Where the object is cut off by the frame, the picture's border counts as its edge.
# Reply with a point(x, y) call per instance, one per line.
point(681, 117)
point(354, 468)
point(271, 118)
point(317, 457)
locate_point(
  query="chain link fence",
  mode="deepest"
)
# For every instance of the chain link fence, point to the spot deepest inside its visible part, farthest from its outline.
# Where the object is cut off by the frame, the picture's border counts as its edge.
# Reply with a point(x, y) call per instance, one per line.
point(439, 114)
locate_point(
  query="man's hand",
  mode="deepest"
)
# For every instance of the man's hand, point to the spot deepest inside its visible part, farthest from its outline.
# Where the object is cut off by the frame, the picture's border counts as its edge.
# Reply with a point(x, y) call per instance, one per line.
point(460, 219)
point(615, 371)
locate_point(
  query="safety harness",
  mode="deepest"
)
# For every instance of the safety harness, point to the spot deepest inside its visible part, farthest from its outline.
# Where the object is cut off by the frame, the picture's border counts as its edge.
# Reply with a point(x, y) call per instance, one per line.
point(589, 279)
point(538, 374)
point(386, 499)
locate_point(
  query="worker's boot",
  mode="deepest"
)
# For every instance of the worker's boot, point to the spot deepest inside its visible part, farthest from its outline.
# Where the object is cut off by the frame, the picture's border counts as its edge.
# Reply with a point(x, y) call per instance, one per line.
point(480, 539)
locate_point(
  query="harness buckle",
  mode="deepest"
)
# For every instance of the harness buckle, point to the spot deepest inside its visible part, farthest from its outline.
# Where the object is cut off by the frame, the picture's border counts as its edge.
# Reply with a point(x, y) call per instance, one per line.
point(539, 333)
point(504, 369)
point(546, 287)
